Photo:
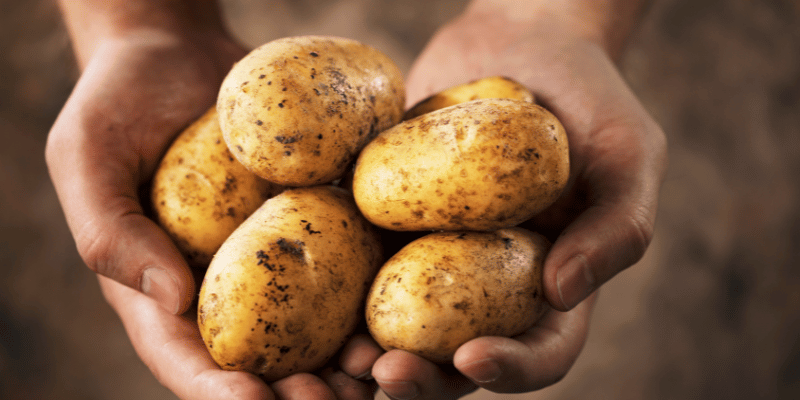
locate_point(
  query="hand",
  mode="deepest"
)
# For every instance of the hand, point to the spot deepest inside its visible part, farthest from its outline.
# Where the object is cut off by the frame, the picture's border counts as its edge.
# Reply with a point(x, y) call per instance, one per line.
point(618, 153)
point(135, 94)
point(536, 359)
point(602, 223)
point(171, 346)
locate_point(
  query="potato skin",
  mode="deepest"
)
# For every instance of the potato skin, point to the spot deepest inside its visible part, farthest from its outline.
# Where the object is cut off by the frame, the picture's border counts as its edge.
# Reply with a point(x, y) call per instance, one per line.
point(297, 110)
point(447, 288)
point(200, 193)
point(492, 87)
point(287, 288)
point(481, 165)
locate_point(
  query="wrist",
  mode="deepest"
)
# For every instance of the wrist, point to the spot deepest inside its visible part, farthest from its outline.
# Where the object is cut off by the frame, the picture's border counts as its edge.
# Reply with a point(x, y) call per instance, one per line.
point(606, 23)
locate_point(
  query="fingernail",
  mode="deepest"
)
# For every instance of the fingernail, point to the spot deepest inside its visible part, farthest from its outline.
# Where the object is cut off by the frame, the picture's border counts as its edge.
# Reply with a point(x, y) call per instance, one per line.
point(483, 371)
point(366, 376)
point(161, 287)
point(400, 390)
point(575, 281)
point(335, 377)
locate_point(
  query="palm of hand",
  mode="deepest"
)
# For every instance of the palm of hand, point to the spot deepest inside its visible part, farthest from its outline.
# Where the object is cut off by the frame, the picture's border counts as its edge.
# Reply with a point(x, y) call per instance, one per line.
point(601, 224)
point(137, 93)
point(617, 152)
point(134, 96)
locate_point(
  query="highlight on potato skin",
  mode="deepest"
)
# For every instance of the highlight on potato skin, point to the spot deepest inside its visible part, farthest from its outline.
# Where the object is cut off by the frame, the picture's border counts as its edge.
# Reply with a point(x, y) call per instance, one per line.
point(200, 193)
point(286, 289)
point(297, 110)
point(302, 178)
point(447, 288)
point(481, 165)
point(493, 87)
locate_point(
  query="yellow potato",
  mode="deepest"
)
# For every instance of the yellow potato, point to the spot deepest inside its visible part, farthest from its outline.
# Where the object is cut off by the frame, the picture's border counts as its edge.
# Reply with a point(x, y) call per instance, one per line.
point(481, 165)
point(200, 193)
point(297, 110)
point(287, 288)
point(447, 288)
point(493, 87)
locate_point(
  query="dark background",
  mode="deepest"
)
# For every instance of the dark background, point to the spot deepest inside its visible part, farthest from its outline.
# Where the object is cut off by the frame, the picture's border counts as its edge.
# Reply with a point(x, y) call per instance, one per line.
point(711, 312)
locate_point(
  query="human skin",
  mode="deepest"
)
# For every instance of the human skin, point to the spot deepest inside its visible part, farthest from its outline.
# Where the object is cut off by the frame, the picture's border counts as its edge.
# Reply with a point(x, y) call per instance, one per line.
point(151, 67)
point(565, 52)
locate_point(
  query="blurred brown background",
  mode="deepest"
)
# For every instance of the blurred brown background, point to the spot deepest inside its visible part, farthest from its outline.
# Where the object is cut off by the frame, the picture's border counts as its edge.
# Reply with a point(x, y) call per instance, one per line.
point(712, 312)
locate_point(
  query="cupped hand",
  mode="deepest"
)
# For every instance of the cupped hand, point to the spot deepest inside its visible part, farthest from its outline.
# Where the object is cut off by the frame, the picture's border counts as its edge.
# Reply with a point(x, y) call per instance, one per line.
point(136, 93)
point(604, 221)
point(601, 225)
point(171, 346)
point(533, 360)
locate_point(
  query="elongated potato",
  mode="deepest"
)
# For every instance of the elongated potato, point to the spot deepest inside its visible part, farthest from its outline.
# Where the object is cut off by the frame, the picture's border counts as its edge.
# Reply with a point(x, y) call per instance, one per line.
point(297, 110)
point(447, 288)
point(481, 165)
point(200, 193)
point(287, 288)
point(493, 87)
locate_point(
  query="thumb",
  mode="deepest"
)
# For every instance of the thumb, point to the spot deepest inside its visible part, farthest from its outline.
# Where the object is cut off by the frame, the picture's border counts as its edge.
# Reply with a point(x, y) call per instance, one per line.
point(618, 173)
point(610, 234)
point(96, 179)
point(601, 242)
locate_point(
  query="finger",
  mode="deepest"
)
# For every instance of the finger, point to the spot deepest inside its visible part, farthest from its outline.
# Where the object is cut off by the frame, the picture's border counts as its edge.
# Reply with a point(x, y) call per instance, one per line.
point(171, 347)
point(616, 228)
point(536, 359)
point(346, 387)
point(97, 180)
point(358, 355)
point(603, 241)
point(402, 375)
point(303, 386)
point(116, 240)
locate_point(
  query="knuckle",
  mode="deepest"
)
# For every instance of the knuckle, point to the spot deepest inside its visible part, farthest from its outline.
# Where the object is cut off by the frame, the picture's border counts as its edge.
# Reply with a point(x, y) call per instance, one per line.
point(53, 147)
point(640, 233)
point(660, 137)
point(95, 245)
point(657, 148)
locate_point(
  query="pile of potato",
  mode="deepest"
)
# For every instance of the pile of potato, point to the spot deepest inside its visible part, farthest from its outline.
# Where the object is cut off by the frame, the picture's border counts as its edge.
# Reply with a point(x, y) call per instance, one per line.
point(293, 188)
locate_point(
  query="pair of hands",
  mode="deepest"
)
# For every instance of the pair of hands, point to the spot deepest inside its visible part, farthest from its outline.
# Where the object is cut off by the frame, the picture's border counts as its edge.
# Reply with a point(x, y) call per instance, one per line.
point(140, 89)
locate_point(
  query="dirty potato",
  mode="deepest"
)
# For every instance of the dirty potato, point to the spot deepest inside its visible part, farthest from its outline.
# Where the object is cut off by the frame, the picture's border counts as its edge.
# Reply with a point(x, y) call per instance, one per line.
point(481, 165)
point(286, 289)
point(200, 193)
point(447, 288)
point(493, 87)
point(297, 110)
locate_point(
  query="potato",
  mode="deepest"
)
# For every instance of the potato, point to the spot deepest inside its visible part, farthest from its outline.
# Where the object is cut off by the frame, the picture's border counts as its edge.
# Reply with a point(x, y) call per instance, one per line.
point(297, 110)
point(200, 193)
point(493, 87)
point(447, 288)
point(481, 165)
point(287, 288)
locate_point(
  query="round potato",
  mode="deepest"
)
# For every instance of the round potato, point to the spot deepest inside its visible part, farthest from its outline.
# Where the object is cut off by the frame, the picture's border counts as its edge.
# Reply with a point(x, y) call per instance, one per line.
point(493, 87)
point(200, 193)
point(447, 288)
point(480, 165)
point(287, 288)
point(297, 110)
